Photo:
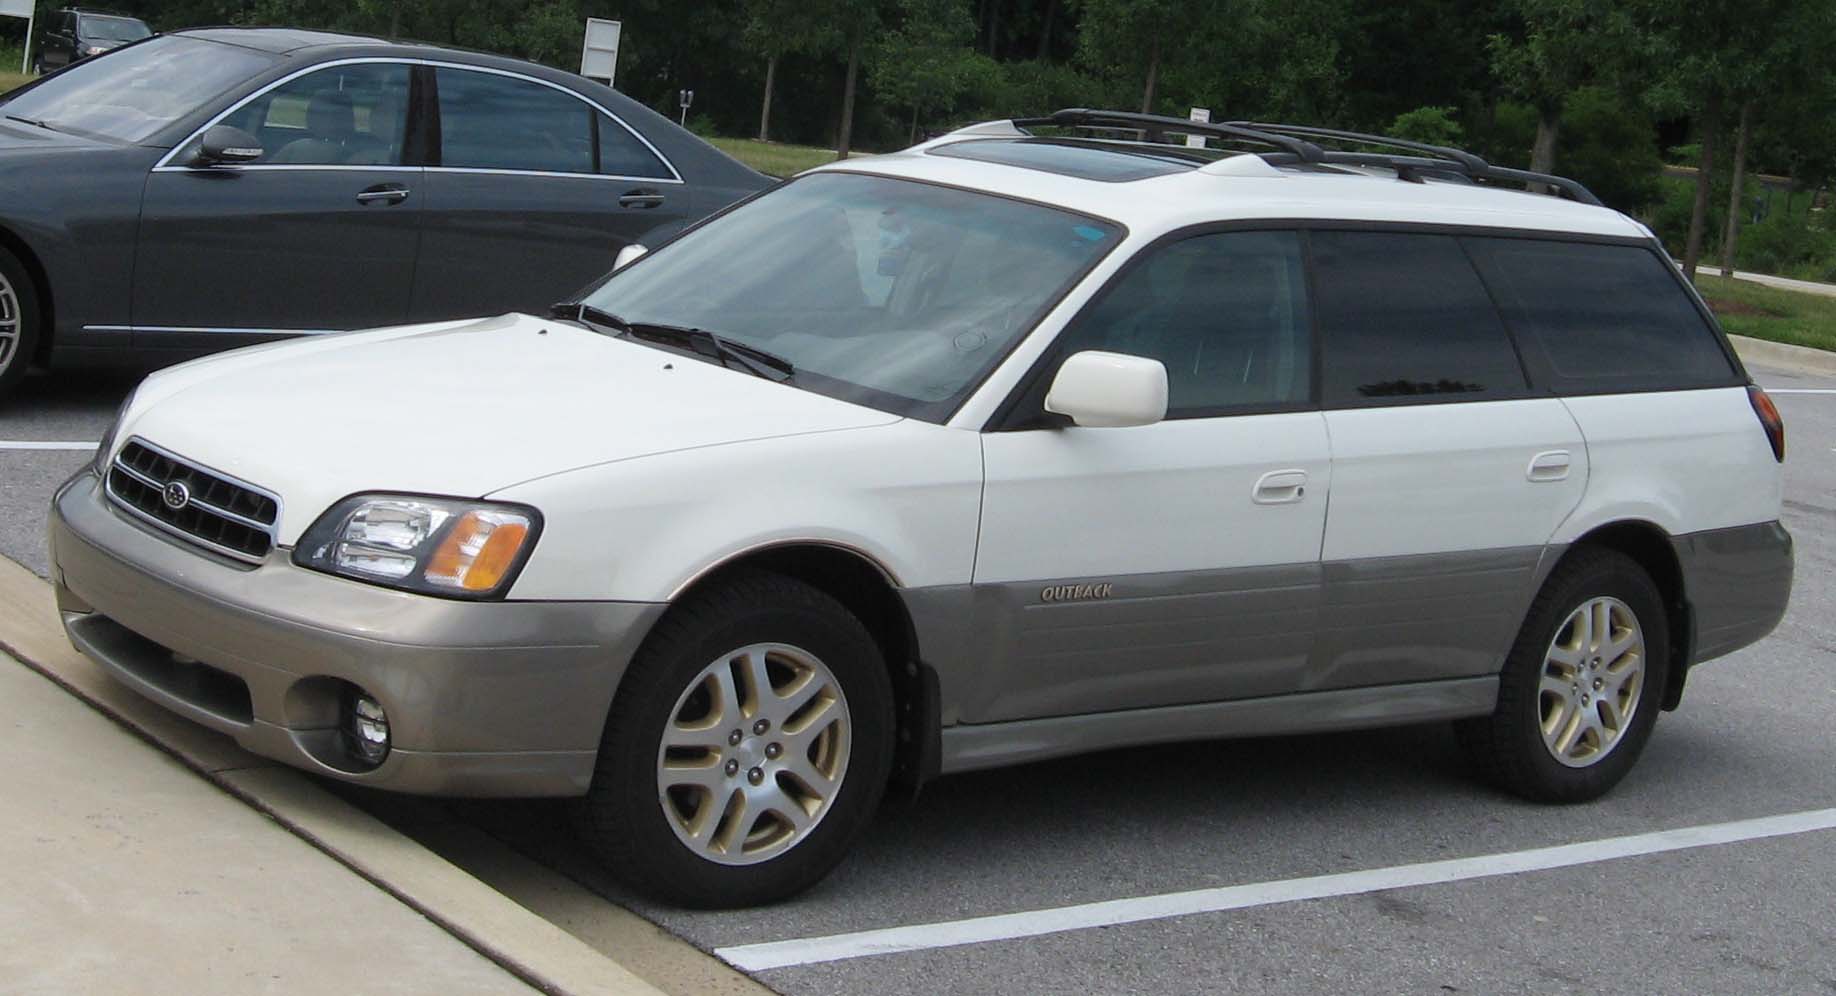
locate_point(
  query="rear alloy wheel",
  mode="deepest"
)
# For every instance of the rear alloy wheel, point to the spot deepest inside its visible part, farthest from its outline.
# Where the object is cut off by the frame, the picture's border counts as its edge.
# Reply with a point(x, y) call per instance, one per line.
point(747, 746)
point(1579, 692)
point(18, 322)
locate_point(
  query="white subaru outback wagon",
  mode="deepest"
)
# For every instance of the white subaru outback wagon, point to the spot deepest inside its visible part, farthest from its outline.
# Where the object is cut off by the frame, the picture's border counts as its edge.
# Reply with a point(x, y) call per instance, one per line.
point(1006, 447)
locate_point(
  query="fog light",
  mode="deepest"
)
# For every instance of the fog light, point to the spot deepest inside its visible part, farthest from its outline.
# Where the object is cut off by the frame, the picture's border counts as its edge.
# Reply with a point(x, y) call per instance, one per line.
point(366, 728)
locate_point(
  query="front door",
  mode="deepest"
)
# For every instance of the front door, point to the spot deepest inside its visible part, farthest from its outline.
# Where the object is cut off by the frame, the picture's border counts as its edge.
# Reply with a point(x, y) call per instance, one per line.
point(1171, 563)
point(535, 193)
point(320, 234)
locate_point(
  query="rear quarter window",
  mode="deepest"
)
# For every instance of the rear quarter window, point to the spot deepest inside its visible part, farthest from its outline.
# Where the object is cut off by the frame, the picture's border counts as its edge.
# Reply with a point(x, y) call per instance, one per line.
point(1600, 318)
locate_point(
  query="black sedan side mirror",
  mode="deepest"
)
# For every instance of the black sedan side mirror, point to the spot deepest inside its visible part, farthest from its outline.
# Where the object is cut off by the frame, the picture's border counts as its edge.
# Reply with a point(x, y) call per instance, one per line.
point(227, 146)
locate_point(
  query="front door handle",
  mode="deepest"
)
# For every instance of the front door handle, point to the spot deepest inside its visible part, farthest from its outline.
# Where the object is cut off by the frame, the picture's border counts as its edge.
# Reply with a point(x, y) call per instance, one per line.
point(386, 193)
point(1549, 466)
point(641, 199)
point(1280, 487)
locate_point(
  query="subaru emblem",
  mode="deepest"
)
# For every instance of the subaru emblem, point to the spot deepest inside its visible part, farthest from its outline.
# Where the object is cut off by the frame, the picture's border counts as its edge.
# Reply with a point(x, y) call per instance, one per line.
point(176, 495)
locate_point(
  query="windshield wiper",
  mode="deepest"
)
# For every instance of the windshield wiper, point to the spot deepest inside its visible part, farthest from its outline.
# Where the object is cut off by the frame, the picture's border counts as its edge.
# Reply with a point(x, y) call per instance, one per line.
point(700, 341)
point(34, 122)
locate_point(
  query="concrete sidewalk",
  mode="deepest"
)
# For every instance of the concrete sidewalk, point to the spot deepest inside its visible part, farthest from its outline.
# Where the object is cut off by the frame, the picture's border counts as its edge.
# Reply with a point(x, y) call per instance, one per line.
point(124, 872)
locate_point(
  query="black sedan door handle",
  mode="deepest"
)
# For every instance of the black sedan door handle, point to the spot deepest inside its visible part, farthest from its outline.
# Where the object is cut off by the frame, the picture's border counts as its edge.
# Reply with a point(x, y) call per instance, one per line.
point(641, 199)
point(387, 193)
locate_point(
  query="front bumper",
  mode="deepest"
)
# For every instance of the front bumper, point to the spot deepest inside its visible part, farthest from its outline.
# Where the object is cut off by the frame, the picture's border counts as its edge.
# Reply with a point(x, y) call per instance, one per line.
point(483, 698)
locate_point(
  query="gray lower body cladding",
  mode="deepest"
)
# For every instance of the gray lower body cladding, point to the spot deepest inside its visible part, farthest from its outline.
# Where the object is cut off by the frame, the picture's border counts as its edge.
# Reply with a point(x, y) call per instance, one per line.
point(1737, 581)
point(483, 698)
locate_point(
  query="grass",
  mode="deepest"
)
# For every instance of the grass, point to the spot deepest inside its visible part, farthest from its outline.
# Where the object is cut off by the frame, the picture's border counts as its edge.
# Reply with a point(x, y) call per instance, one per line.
point(773, 157)
point(10, 77)
point(1750, 309)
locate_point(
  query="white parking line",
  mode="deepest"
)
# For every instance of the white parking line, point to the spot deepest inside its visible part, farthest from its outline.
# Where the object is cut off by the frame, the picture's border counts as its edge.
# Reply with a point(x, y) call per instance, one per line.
point(36, 444)
point(1033, 923)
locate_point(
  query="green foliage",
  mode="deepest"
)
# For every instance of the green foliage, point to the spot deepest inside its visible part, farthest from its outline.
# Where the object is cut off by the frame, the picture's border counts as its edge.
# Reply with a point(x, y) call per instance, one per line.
point(1747, 308)
point(925, 64)
point(1434, 125)
point(1609, 145)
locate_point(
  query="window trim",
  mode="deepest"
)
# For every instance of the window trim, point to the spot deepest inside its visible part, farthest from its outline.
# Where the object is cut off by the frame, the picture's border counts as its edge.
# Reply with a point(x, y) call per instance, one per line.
point(166, 164)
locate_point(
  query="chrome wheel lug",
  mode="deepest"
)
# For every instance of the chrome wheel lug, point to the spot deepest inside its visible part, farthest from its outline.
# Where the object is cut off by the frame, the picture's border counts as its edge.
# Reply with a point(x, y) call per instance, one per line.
point(773, 750)
point(761, 726)
point(734, 738)
point(756, 775)
point(732, 768)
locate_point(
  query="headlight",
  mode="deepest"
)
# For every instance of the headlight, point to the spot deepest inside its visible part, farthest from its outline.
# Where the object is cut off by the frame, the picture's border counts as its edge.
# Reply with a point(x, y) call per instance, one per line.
point(94, 50)
point(435, 546)
point(106, 449)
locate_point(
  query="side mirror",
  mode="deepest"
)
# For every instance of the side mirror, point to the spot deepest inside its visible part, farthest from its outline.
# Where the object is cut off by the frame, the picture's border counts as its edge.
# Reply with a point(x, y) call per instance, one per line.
point(627, 256)
point(227, 146)
point(1109, 390)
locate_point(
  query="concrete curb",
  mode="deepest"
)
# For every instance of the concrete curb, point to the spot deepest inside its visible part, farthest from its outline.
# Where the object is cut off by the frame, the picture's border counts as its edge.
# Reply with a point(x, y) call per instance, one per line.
point(521, 942)
point(1802, 359)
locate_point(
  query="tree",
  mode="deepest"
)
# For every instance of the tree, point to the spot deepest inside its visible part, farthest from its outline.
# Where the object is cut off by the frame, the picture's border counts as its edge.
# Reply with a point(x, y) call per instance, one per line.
point(857, 21)
point(926, 63)
point(776, 28)
point(1122, 35)
point(1433, 125)
point(1559, 46)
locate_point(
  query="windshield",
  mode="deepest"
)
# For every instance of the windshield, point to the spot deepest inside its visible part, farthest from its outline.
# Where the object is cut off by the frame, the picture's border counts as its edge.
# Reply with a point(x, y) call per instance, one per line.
point(120, 29)
point(890, 293)
point(132, 93)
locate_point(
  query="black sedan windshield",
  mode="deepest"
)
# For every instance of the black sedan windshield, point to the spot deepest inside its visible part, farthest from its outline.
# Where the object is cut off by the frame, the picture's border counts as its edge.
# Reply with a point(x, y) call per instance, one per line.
point(891, 293)
point(130, 94)
point(119, 29)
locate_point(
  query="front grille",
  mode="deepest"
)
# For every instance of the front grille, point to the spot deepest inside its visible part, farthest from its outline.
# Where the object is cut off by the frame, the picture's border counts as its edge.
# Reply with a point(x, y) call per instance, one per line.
point(208, 508)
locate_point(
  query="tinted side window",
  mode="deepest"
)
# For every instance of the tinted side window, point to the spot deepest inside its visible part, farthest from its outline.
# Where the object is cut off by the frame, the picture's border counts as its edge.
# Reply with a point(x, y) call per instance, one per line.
point(621, 154)
point(353, 115)
point(501, 122)
point(1403, 319)
point(1226, 313)
point(1600, 317)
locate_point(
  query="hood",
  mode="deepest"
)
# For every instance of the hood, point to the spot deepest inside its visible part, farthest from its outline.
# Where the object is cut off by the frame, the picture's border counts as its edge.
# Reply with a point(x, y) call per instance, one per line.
point(461, 409)
point(20, 139)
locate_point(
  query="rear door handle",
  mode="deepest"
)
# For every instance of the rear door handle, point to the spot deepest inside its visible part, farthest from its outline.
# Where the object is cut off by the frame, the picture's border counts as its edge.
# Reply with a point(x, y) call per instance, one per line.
point(1551, 465)
point(641, 199)
point(1280, 487)
point(387, 193)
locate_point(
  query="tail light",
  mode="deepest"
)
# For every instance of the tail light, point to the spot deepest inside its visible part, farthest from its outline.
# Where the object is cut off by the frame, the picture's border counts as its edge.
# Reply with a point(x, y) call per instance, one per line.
point(1769, 419)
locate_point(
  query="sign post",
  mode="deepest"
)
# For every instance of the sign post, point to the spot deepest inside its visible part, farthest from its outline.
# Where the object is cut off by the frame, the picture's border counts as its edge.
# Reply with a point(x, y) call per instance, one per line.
point(27, 9)
point(599, 56)
point(687, 98)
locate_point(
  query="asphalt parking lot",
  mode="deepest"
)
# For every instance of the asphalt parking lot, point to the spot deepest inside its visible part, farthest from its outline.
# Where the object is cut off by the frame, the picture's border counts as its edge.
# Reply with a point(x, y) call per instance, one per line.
point(1370, 821)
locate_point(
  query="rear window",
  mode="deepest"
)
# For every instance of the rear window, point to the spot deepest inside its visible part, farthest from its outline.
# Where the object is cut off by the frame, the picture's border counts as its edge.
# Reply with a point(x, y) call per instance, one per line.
point(1404, 319)
point(1600, 317)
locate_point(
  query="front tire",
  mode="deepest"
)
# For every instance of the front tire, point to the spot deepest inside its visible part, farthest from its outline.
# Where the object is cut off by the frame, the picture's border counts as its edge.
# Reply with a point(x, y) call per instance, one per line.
point(1582, 686)
point(748, 745)
point(20, 317)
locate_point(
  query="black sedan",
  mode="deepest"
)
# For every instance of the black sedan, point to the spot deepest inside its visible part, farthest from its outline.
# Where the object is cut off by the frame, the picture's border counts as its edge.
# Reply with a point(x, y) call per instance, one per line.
point(214, 188)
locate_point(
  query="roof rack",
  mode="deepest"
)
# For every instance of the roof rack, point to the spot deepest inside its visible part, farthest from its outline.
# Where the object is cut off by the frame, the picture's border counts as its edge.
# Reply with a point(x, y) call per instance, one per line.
point(1294, 144)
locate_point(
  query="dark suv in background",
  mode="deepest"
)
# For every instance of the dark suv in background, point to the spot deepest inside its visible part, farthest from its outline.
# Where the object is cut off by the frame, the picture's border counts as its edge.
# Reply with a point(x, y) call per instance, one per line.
point(76, 33)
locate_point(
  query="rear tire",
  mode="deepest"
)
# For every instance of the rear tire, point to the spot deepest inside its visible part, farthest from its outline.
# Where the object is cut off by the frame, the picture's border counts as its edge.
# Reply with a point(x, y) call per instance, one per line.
point(20, 318)
point(748, 745)
point(1582, 686)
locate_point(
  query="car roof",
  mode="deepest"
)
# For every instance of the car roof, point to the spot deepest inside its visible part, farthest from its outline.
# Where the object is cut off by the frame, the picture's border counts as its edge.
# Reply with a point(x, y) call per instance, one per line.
point(1153, 189)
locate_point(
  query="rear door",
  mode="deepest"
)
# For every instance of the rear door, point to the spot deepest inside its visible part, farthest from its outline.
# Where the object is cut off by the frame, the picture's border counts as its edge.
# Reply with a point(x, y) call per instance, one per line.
point(318, 235)
point(535, 192)
point(1171, 563)
point(1450, 473)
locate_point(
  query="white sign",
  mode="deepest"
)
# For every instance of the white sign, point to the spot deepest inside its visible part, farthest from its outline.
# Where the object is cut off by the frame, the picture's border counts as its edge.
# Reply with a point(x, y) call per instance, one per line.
point(599, 57)
point(1198, 114)
point(25, 9)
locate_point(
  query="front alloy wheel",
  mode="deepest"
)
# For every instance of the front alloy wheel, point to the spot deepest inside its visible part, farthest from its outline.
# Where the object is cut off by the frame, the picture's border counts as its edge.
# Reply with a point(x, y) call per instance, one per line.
point(747, 746)
point(755, 752)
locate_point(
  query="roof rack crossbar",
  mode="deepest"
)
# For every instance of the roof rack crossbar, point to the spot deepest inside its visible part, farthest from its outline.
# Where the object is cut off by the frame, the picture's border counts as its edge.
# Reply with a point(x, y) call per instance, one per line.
point(1074, 117)
point(1445, 159)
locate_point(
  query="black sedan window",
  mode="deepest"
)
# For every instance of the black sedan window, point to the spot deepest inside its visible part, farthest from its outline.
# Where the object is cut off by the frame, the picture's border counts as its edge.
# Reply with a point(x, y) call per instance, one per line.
point(352, 115)
point(133, 93)
point(489, 121)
